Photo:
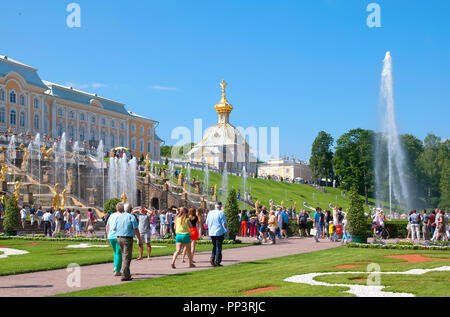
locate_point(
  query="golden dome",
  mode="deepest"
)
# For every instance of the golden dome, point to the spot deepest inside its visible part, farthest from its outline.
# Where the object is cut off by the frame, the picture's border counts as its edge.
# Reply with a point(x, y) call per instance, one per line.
point(223, 107)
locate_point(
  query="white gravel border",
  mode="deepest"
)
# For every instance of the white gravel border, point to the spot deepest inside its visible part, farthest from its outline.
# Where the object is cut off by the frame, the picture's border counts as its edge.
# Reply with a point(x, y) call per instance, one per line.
point(362, 290)
point(8, 251)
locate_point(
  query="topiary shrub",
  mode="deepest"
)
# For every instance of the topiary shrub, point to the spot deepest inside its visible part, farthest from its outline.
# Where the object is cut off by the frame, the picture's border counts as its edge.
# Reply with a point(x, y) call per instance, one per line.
point(110, 205)
point(357, 222)
point(11, 221)
point(232, 214)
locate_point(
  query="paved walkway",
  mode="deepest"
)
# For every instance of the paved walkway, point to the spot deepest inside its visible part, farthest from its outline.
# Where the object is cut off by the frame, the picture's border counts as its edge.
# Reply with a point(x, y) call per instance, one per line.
point(53, 282)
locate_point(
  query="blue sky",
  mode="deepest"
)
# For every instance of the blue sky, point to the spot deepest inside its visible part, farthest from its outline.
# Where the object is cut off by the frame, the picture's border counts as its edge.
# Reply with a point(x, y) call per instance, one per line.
point(301, 65)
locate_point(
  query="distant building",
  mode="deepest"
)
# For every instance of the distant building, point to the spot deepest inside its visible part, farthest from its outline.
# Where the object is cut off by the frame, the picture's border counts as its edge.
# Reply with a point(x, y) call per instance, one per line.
point(285, 168)
point(223, 144)
point(29, 104)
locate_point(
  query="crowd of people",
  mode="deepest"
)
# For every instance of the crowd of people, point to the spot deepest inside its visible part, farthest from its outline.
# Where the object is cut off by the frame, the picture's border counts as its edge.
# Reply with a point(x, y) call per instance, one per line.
point(265, 225)
point(67, 221)
point(186, 224)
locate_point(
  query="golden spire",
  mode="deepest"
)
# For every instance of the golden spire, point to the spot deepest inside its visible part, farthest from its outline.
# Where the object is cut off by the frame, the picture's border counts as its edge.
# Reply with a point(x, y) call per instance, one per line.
point(223, 108)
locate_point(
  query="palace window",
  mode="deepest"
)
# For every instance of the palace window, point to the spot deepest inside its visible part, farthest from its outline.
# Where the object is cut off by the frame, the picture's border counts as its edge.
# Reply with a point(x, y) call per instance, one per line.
point(133, 128)
point(82, 117)
point(122, 140)
point(36, 103)
point(141, 129)
point(60, 112)
point(12, 117)
point(36, 122)
point(141, 145)
point(113, 124)
point(149, 146)
point(113, 140)
point(133, 144)
point(149, 131)
point(2, 95)
point(93, 120)
point(60, 129)
point(103, 122)
point(22, 100)
point(12, 97)
point(122, 126)
point(72, 115)
point(22, 119)
point(71, 131)
point(2, 115)
point(82, 133)
point(93, 135)
point(104, 137)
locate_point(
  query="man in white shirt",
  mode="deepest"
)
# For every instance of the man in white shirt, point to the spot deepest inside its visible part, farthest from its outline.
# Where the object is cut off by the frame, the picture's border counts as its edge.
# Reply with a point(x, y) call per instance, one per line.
point(47, 223)
point(23, 216)
point(58, 221)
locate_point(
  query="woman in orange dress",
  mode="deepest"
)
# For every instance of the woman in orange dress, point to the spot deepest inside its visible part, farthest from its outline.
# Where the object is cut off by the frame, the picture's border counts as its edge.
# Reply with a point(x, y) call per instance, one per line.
point(193, 220)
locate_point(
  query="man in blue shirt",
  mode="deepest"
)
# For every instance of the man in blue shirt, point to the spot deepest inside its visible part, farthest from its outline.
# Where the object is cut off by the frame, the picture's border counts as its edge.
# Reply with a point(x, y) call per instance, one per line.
point(217, 227)
point(126, 226)
point(317, 219)
point(285, 223)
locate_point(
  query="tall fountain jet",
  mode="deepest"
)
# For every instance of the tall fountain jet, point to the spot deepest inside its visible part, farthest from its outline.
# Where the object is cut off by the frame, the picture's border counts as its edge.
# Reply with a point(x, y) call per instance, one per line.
point(390, 163)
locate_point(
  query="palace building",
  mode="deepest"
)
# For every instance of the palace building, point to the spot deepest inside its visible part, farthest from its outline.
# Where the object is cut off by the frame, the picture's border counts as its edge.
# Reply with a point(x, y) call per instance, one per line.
point(285, 168)
point(29, 104)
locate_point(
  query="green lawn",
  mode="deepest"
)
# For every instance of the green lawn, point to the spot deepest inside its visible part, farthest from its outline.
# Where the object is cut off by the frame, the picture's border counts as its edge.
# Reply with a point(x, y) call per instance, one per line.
point(264, 190)
point(231, 280)
point(49, 255)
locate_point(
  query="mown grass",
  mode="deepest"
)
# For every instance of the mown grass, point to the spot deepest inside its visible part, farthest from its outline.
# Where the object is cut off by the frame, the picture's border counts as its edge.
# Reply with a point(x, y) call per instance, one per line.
point(50, 255)
point(265, 190)
point(230, 281)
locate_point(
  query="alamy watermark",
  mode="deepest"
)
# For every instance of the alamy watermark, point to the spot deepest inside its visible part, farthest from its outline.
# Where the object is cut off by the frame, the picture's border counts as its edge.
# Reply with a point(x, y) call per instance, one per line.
point(374, 18)
point(246, 145)
point(74, 277)
point(73, 20)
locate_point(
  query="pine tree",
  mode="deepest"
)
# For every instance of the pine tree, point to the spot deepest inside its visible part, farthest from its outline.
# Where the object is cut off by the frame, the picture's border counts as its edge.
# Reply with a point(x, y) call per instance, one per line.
point(357, 222)
point(11, 221)
point(232, 214)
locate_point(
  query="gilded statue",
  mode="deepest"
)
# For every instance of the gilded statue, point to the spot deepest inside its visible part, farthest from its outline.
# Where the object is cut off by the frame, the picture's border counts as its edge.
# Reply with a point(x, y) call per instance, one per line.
point(56, 198)
point(215, 189)
point(124, 197)
point(180, 176)
point(111, 153)
point(69, 176)
point(256, 205)
point(4, 149)
point(3, 171)
point(282, 204)
point(147, 163)
point(25, 158)
point(63, 199)
point(184, 187)
point(47, 152)
point(17, 186)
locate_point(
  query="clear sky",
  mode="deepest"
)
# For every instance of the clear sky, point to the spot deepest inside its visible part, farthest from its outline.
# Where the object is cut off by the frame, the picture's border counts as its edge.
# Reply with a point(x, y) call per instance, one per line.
point(301, 65)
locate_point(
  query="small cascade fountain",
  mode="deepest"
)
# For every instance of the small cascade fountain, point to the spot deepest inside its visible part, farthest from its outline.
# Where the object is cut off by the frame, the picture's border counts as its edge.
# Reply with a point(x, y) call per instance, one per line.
point(206, 179)
point(62, 156)
point(11, 154)
point(224, 181)
point(188, 174)
point(122, 178)
point(244, 182)
point(76, 155)
point(37, 150)
point(100, 168)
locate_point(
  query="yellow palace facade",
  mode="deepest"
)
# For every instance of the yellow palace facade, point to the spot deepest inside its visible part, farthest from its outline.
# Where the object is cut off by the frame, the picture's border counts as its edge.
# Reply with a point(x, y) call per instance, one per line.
point(29, 104)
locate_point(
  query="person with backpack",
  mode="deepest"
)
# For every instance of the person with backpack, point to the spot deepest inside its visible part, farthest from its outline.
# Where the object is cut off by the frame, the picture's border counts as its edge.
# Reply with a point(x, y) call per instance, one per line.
point(302, 218)
point(425, 226)
point(414, 220)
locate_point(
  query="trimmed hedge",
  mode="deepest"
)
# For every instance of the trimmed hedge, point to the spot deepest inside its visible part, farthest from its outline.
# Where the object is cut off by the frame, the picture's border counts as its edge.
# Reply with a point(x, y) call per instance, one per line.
point(84, 239)
point(398, 246)
point(397, 228)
